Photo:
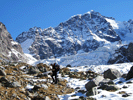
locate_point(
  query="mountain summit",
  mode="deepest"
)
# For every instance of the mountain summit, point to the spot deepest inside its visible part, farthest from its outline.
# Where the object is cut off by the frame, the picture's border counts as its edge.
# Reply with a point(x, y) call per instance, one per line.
point(81, 33)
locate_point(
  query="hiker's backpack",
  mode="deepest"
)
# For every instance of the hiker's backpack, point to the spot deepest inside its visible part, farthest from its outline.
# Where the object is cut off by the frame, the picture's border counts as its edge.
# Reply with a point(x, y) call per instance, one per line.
point(57, 67)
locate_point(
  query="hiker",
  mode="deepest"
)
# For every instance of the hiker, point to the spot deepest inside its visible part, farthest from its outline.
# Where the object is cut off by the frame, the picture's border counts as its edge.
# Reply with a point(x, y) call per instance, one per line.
point(55, 69)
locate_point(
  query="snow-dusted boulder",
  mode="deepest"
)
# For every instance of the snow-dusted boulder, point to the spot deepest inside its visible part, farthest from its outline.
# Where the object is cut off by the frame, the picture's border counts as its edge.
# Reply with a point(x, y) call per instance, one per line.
point(94, 82)
point(112, 74)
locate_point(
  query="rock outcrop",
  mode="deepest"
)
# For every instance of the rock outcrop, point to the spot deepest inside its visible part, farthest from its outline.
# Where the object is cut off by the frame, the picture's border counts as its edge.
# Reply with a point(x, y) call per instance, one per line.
point(9, 49)
point(122, 55)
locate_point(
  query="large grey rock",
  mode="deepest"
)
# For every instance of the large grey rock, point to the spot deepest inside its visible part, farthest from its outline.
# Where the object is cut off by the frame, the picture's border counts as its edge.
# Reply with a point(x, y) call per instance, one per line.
point(92, 92)
point(94, 82)
point(112, 74)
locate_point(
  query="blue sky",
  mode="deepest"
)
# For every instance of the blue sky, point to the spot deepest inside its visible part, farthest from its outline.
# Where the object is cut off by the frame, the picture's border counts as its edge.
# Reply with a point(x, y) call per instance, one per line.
point(20, 15)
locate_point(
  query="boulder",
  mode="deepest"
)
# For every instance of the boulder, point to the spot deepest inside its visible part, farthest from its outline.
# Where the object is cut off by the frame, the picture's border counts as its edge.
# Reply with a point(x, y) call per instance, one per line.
point(92, 92)
point(2, 73)
point(130, 74)
point(94, 82)
point(112, 74)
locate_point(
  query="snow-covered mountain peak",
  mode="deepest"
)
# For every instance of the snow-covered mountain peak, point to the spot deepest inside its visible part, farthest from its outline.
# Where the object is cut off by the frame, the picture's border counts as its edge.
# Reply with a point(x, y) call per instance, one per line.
point(93, 12)
point(83, 32)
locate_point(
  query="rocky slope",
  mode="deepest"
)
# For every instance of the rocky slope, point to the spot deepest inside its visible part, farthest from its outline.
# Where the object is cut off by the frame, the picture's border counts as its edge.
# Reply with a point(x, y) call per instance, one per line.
point(81, 33)
point(9, 49)
point(20, 81)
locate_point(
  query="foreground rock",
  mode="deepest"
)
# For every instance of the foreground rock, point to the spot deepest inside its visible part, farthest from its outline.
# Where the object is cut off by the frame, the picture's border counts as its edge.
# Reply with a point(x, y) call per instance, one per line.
point(101, 83)
point(112, 74)
point(94, 82)
point(92, 91)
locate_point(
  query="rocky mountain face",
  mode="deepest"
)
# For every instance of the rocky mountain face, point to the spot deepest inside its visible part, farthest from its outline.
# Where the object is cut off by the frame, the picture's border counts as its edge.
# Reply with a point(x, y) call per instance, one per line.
point(81, 33)
point(129, 25)
point(9, 49)
point(122, 55)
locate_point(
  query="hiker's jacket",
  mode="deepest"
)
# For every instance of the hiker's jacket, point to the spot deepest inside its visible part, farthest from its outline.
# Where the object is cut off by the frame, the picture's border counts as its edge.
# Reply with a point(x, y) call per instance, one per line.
point(54, 70)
